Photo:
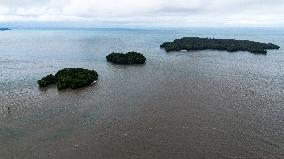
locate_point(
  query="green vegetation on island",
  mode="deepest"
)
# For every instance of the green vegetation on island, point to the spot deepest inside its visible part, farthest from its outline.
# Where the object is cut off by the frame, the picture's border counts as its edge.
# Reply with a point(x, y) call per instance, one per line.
point(3, 29)
point(126, 59)
point(70, 78)
point(231, 45)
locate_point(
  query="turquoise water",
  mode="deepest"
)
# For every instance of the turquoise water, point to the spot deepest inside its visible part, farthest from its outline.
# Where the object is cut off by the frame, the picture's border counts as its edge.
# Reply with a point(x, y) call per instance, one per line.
point(178, 105)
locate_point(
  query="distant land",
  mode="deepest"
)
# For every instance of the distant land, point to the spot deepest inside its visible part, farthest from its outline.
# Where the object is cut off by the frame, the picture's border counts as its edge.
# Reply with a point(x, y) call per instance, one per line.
point(3, 29)
point(231, 45)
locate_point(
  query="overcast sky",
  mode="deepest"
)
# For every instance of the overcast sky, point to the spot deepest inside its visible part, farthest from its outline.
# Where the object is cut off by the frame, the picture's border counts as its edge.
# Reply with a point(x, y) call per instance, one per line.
point(145, 12)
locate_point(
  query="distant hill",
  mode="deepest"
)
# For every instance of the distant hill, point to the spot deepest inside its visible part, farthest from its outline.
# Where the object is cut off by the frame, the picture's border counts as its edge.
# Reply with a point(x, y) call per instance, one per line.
point(3, 29)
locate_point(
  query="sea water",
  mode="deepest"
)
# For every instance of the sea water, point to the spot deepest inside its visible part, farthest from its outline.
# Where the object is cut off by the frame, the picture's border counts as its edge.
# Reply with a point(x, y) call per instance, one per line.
point(198, 104)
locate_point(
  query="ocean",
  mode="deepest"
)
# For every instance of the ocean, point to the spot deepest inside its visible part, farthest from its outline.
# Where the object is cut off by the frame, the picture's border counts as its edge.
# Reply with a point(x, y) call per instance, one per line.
point(198, 104)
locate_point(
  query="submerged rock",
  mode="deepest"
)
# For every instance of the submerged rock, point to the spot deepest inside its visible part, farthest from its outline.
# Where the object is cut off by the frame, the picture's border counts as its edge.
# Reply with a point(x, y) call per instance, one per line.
point(70, 78)
point(231, 45)
point(126, 59)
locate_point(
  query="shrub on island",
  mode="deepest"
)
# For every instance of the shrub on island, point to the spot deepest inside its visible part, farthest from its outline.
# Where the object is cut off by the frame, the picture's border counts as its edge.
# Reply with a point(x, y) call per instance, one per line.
point(126, 59)
point(231, 45)
point(70, 78)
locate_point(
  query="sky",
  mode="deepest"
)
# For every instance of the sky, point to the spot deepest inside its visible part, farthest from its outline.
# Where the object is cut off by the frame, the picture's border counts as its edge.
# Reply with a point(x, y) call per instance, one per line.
point(151, 13)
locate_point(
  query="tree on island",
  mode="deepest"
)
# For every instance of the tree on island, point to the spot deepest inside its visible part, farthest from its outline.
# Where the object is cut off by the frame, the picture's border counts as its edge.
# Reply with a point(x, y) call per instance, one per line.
point(126, 59)
point(231, 45)
point(70, 78)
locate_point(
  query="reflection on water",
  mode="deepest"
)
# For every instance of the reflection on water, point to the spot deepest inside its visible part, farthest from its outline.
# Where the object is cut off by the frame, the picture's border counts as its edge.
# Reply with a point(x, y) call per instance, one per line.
point(203, 104)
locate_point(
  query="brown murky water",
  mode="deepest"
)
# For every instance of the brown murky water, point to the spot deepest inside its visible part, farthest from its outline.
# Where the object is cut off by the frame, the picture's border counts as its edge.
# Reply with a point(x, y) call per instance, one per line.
point(205, 104)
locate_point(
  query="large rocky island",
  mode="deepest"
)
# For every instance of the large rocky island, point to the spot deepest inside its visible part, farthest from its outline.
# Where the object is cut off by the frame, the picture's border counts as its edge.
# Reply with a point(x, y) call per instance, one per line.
point(70, 78)
point(126, 59)
point(3, 29)
point(231, 45)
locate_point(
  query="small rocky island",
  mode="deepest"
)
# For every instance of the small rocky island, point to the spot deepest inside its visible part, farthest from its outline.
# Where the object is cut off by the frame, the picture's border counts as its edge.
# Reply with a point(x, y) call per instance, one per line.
point(70, 78)
point(231, 45)
point(3, 29)
point(126, 59)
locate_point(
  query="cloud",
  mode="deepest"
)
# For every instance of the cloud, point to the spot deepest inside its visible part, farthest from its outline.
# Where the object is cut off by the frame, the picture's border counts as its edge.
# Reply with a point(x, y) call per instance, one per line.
point(147, 12)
